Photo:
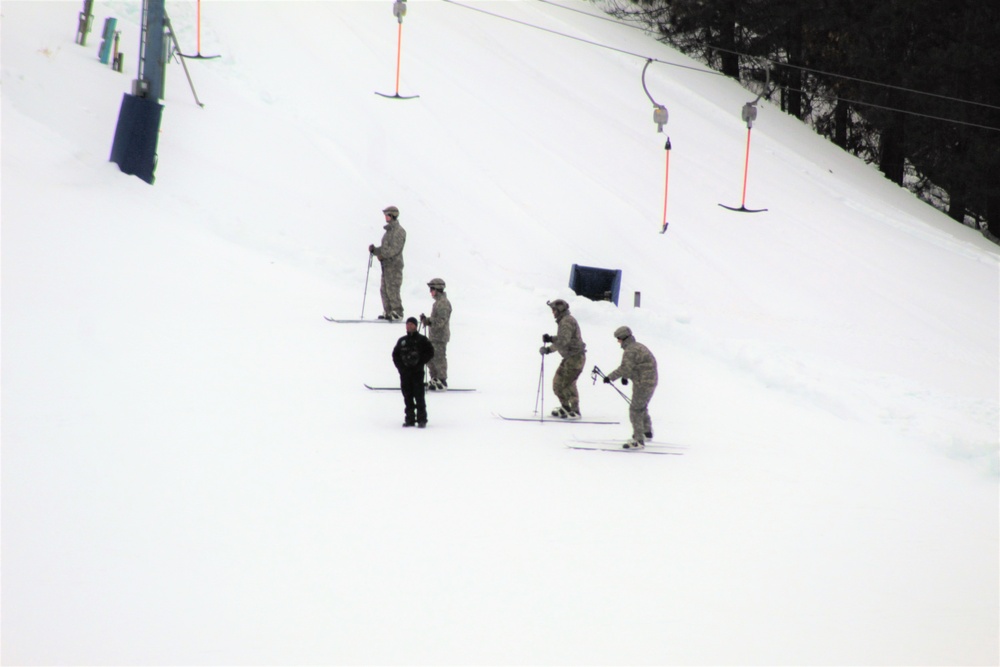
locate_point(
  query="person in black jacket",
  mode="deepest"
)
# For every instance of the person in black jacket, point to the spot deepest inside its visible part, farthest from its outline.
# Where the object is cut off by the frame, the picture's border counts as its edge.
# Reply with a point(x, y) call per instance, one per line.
point(412, 351)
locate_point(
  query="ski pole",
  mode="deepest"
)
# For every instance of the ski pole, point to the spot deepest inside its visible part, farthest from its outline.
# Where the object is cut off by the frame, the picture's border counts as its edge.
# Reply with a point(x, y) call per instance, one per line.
point(371, 256)
point(540, 395)
point(596, 373)
point(422, 329)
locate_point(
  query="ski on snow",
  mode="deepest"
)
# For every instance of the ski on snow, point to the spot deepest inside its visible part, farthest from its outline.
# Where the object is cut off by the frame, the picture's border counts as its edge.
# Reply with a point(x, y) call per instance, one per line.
point(616, 446)
point(436, 391)
point(554, 420)
point(333, 319)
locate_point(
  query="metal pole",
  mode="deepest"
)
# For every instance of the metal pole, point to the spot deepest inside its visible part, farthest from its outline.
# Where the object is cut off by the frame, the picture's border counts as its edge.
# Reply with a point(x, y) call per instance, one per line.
point(666, 186)
point(746, 167)
point(597, 372)
point(177, 49)
point(152, 47)
point(399, 51)
point(371, 256)
point(85, 23)
point(540, 395)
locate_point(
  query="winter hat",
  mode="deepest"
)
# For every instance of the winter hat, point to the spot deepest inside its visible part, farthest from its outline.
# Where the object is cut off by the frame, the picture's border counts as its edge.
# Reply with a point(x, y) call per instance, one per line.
point(621, 333)
point(436, 284)
point(391, 210)
point(558, 305)
point(413, 320)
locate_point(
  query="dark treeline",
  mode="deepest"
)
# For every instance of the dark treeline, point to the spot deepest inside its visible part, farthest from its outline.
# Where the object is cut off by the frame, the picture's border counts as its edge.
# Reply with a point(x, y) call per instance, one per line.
point(816, 59)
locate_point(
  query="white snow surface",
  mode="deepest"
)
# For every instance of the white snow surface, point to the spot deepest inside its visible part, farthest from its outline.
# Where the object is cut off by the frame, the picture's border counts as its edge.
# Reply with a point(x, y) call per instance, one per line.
point(193, 472)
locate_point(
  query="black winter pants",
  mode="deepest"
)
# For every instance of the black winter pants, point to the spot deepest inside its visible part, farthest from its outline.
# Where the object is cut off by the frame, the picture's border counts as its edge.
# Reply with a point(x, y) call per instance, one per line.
point(414, 406)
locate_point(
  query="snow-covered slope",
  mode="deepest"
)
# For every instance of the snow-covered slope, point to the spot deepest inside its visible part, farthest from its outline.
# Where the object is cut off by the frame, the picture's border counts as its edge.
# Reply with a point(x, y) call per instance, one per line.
point(194, 473)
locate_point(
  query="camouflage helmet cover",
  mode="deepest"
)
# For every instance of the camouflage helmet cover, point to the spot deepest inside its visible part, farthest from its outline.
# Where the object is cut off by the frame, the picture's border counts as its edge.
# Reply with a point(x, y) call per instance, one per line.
point(558, 305)
point(436, 284)
point(622, 333)
point(391, 210)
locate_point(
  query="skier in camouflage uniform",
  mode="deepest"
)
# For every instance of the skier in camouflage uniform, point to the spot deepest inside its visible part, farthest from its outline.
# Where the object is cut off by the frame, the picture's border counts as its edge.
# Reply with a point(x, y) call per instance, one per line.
point(639, 366)
point(439, 333)
point(569, 343)
point(390, 256)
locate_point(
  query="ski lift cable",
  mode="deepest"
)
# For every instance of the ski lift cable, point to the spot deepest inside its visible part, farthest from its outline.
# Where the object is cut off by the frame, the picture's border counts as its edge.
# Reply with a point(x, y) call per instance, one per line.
point(912, 113)
point(845, 77)
point(581, 39)
point(707, 71)
point(784, 64)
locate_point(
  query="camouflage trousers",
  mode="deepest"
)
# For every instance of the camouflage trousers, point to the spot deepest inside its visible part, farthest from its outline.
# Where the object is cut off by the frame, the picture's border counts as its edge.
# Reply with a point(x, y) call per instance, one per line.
point(638, 413)
point(392, 283)
point(438, 365)
point(564, 382)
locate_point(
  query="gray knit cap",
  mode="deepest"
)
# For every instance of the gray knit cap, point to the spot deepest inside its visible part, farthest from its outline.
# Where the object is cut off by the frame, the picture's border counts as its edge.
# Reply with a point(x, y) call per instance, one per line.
point(622, 333)
point(558, 305)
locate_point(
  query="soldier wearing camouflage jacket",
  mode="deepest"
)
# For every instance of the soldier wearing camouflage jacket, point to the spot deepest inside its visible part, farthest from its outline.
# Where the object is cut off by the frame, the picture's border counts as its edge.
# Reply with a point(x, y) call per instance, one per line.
point(439, 332)
point(390, 256)
point(639, 367)
point(568, 342)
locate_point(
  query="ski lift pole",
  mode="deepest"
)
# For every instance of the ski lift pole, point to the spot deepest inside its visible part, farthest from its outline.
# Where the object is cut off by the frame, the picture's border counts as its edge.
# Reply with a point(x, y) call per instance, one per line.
point(749, 115)
point(666, 186)
point(746, 168)
point(197, 54)
point(399, 53)
point(399, 11)
point(660, 117)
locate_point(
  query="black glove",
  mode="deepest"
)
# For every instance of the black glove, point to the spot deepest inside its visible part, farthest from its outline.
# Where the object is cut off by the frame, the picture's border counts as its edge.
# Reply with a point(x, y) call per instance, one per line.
point(607, 380)
point(544, 350)
point(546, 338)
point(423, 319)
point(624, 381)
point(371, 249)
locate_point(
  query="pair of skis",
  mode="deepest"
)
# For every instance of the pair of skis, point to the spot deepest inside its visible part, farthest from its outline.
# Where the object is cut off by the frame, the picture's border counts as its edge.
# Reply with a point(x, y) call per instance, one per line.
point(361, 321)
point(384, 321)
point(603, 445)
point(651, 447)
point(540, 419)
point(429, 391)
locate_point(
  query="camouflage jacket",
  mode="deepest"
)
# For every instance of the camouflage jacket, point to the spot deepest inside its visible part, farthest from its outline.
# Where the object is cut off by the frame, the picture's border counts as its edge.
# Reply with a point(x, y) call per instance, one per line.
point(638, 364)
point(568, 340)
point(393, 240)
point(439, 323)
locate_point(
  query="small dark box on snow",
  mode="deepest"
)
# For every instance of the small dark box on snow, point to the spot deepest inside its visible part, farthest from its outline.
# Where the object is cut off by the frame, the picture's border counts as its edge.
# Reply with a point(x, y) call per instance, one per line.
point(596, 284)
